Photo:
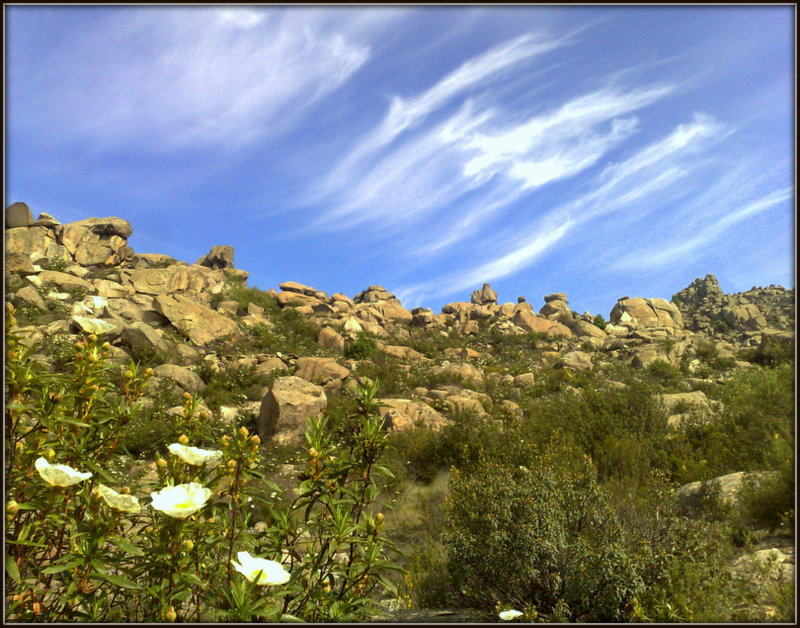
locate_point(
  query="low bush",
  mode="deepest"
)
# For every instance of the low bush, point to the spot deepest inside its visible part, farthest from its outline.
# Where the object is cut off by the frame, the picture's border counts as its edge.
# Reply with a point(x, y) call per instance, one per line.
point(599, 321)
point(234, 385)
point(541, 538)
point(362, 348)
point(664, 373)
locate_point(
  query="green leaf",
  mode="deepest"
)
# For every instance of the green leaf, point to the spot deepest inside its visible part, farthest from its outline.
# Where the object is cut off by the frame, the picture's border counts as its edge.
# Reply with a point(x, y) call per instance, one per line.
point(291, 619)
point(12, 569)
point(129, 548)
point(63, 567)
point(120, 581)
point(99, 567)
point(74, 422)
point(384, 471)
point(193, 579)
point(99, 470)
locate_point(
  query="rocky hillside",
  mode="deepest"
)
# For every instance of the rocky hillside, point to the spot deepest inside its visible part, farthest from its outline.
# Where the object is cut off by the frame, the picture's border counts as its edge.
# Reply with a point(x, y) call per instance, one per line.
point(741, 317)
point(283, 355)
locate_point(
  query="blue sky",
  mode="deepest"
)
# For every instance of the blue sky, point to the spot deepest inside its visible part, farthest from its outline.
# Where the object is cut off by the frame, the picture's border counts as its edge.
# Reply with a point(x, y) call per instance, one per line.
point(597, 151)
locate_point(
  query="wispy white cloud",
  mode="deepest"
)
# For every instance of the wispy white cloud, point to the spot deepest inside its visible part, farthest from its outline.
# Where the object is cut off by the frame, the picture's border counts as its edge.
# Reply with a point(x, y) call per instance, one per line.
point(207, 77)
point(472, 148)
point(619, 186)
point(685, 246)
point(405, 114)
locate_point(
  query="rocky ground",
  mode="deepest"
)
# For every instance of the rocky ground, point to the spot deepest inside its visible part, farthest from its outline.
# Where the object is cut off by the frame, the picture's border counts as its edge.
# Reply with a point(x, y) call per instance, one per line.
point(68, 278)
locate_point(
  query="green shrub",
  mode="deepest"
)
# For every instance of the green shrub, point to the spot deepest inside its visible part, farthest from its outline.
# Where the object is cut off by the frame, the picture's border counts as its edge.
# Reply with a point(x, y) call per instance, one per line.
point(541, 537)
point(234, 385)
point(599, 321)
point(664, 372)
point(706, 351)
point(598, 415)
point(768, 501)
point(363, 347)
point(58, 263)
point(774, 352)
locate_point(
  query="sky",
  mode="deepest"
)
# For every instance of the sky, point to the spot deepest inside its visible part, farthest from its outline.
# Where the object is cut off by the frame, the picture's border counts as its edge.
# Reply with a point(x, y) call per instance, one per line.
point(600, 151)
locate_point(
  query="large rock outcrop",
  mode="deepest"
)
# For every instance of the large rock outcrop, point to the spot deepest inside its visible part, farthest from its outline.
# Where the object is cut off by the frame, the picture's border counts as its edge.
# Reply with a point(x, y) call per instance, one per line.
point(197, 322)
point(647, 312)
point(285, 409)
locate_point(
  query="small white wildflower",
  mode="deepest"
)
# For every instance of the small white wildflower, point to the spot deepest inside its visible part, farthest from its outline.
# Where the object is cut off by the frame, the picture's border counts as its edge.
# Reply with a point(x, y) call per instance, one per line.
point(509, 615)
point(59, 474)
point(260, 570)
point(194, 455)
point(125, 503)
point(182, 500)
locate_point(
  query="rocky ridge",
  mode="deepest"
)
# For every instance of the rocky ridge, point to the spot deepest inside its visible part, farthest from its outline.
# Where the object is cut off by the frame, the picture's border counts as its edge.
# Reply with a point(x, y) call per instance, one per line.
point(83, 276)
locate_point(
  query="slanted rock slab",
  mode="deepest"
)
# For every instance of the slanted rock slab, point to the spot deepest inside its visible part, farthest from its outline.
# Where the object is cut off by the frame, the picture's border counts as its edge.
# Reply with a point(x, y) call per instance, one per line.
point(197, 322)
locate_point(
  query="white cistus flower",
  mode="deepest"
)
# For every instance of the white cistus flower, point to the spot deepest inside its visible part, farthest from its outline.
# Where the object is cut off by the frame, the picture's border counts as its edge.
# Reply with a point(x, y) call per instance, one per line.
point(260, 570)
point(59, 474)
point(509, 615)
point(118, 501)
point(182, 500)
point(194, 455)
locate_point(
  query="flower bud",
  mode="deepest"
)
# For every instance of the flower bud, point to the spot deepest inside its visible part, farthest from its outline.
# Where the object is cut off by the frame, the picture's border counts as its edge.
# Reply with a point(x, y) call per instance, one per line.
point(161, 463)
point(231, 464)
point(50, 454)
point(255, 440)
point(204, 415)
point(125, 490)
point(128, 374)
point(183, 439)
point(243, 432)
point(187, 396)
point(106, 345)
point(313, 453)
point(149, 372)
point(19, 446)
point(92, 338)
point(12, 508)
point(188, 545)
point(225, 441)
point(171, 615)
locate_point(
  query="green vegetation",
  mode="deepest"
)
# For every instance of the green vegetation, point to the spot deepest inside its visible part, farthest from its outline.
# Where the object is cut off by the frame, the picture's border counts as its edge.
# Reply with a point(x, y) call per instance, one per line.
point(599, 321)
point(81, 546)
point(562, 504)
point(363, 347)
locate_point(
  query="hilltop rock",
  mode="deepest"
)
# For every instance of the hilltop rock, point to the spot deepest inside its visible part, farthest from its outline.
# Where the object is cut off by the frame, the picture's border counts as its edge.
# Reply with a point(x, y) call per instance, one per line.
point(647, 312)
point(556, 307)
point(35, 241)
point(218, 258)
point(530, 322)
point(484, 296)
point(708, 310)
point(97, 241)
point(18, 215)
